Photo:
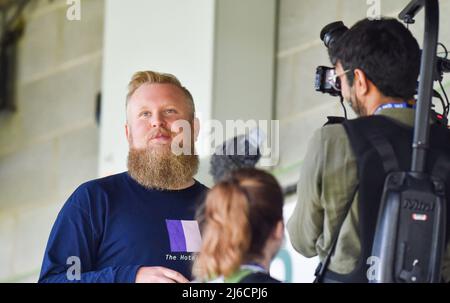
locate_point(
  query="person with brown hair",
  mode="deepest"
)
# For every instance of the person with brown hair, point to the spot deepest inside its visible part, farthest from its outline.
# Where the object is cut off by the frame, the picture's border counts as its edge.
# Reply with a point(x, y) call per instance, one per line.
point(138, 225)
point(242, 228)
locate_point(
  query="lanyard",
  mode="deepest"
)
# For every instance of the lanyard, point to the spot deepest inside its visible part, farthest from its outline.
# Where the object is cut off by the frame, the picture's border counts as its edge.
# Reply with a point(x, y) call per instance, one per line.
point(254, 267)
point(392, 105)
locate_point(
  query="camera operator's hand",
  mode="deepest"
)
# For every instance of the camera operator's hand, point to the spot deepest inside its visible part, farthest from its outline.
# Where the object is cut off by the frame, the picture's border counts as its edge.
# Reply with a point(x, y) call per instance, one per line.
point(157, 274)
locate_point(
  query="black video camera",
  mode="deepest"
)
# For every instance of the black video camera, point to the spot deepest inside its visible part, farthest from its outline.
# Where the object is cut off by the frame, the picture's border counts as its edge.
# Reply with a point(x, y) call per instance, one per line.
point(326, 80)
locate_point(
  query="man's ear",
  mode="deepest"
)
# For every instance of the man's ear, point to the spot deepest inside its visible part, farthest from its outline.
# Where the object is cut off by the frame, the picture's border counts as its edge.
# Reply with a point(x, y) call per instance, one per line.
point(196, 128)
point(278, 233)
point(128, 133)
point(361, 83)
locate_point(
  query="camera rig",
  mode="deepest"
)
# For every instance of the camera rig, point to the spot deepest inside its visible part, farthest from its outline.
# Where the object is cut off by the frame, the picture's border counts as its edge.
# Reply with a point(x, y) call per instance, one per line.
point(326, 81)
point(413, 195)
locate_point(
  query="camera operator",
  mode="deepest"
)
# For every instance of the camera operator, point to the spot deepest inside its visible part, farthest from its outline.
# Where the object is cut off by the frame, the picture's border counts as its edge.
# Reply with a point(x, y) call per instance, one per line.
point(377, 63)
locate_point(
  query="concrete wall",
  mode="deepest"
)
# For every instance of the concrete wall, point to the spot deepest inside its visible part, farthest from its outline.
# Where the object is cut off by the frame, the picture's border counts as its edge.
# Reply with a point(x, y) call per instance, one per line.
point(243, 65)
point(50, 144)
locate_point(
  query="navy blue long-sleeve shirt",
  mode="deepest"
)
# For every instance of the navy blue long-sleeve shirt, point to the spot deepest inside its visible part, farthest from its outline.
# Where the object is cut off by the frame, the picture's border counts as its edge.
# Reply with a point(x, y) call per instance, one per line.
point(113, 225)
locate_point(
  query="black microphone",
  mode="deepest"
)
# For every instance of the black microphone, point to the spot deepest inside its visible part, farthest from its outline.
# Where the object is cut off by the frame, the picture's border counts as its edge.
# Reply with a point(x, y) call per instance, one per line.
point(241, 151)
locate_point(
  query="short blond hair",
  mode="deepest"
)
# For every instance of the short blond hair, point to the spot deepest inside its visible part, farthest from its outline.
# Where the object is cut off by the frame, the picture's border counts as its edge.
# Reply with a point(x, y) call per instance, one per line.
point(148, 77)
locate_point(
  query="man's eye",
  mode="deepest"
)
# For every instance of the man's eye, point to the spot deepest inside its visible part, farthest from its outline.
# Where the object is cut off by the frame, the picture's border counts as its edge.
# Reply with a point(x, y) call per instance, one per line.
point(171, 111)
point(145, 114)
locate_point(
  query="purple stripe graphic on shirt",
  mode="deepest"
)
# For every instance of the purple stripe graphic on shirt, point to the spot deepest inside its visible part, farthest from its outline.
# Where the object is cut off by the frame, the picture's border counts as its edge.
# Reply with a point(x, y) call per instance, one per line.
point(184, 235)
point(176, 236)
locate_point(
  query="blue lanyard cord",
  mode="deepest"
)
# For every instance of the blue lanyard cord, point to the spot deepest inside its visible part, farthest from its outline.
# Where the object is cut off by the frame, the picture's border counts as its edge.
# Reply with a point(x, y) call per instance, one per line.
point(254, 267)
point(393, 105)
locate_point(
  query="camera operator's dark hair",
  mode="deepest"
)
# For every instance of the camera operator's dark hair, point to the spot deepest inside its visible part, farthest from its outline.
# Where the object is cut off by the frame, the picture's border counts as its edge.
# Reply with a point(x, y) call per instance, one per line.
point(385, 50)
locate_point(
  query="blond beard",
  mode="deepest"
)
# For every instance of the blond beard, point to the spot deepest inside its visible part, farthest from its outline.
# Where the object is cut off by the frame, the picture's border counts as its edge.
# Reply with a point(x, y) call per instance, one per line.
point(156, 168)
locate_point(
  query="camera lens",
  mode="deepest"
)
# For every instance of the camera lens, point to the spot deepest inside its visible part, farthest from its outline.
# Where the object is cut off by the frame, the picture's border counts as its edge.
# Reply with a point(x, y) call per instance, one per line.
point(331, 32)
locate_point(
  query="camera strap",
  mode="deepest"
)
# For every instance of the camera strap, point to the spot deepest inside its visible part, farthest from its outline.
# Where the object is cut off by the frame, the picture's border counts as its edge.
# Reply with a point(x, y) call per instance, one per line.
point(322, 267)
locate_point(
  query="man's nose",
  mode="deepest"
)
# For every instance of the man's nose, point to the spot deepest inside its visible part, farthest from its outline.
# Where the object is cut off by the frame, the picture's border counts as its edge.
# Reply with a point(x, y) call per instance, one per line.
point(158, 121)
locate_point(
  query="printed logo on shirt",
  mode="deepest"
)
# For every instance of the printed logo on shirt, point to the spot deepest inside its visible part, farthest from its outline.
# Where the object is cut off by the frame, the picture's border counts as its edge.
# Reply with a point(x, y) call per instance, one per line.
point(184, 235)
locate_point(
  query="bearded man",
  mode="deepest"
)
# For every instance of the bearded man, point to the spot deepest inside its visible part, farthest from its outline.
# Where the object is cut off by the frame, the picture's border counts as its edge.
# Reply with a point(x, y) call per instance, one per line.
point(136, 226)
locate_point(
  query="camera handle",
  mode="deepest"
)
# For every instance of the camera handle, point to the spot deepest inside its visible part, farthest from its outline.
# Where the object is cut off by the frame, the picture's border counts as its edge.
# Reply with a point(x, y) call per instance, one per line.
point(428, 61)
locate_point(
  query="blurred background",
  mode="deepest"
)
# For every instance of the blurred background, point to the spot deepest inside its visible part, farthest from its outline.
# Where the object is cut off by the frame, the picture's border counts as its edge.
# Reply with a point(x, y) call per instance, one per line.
point(65, 66)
